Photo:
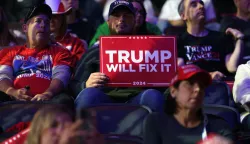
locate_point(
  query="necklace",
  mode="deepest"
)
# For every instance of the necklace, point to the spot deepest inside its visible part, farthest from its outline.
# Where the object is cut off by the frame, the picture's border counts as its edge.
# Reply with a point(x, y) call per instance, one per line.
point(61, 38)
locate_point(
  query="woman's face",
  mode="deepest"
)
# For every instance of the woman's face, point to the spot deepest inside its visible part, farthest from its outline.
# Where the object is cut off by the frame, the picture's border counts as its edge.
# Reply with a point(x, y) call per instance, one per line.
point(55, 23)
point(139, 14)
point(189, 94)
point(51, 135)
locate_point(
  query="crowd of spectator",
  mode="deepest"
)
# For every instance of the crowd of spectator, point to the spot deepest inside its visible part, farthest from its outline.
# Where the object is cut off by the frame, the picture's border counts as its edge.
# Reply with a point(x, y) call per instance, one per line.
point(50, 52)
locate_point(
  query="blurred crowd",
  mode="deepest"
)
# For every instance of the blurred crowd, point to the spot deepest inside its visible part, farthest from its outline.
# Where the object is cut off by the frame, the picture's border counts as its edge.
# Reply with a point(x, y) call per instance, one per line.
point(49, 51)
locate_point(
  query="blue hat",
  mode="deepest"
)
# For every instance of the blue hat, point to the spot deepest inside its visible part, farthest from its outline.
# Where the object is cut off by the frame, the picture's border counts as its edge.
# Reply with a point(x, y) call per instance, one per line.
point(121, 3)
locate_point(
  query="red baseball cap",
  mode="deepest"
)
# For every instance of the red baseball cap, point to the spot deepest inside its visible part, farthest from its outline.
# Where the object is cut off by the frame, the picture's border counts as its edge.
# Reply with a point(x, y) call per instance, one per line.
point(187, 71)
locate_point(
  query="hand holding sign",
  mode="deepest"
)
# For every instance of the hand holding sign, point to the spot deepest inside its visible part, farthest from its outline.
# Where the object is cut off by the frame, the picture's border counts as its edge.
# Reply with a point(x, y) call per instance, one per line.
point(97, 79)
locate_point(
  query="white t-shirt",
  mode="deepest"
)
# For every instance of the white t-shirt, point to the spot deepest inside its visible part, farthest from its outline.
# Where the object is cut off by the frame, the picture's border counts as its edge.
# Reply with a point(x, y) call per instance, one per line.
point(241, 87)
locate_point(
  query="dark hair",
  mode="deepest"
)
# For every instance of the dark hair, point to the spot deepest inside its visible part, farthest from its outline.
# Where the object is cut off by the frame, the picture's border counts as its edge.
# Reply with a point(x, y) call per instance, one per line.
point(181, 7)
point(143, 8)
point(171, 104)
point(143, 28)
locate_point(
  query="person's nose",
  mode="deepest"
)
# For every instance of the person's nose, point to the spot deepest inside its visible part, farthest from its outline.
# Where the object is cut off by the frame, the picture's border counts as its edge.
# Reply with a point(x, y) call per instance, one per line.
point(121, 18)
point(42, 24)
point(196, 88)
point(200, 6)
point(59, 129)
point(70, 2)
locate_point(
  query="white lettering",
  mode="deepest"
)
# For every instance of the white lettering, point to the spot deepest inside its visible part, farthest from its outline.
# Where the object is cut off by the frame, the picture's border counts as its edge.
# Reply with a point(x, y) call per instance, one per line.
point(153, 56)
point(142, 67)
point(165, 54)
point(166, 66)
point(123, 55)
point(153, 67)
point(111, 55)
point(112, 67)
point(140, 59)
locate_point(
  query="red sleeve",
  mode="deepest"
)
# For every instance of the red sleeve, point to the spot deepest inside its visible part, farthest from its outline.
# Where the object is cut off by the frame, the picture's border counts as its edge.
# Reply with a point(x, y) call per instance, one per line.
point(63, 57)
point(6, 56)
point(78, 49)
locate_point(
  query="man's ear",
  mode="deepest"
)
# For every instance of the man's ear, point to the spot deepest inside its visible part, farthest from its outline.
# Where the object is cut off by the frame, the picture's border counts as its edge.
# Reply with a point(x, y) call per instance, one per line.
point(236, 2)
point(183, 16)
point(108, 21)
point(25, 28)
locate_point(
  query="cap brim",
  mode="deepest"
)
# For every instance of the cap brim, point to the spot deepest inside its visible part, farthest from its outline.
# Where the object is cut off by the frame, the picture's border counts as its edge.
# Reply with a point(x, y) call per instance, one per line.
point(68, 11)
point(204, 76)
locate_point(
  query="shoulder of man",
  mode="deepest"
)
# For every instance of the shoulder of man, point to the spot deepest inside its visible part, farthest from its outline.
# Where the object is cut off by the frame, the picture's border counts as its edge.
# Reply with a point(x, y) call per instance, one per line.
point(227, 21)
point(11, 49)
point(217, 34)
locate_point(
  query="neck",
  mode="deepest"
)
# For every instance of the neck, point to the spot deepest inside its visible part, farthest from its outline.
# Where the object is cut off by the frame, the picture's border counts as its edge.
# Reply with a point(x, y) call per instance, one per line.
point(196, 29)
point(71, 18)
point(242, 15)
point(60, 37)
point(36, 46)
point(187, 118)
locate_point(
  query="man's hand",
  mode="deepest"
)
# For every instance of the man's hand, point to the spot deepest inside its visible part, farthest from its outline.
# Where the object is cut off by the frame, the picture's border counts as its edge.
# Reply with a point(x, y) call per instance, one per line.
point(236, 33)
point(96, 80)
point(42, 97)
point(21, 94)
point(216, 75)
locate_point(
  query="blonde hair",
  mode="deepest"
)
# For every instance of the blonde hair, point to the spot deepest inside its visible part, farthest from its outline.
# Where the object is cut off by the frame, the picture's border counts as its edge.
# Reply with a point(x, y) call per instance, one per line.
point(43, 119)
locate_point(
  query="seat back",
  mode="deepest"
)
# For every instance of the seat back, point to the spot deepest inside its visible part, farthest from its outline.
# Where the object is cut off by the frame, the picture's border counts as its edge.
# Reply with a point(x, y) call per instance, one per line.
point(229, 114)
point(122, 139)
point(125, 119)
point(14, 112)
point(219, 93)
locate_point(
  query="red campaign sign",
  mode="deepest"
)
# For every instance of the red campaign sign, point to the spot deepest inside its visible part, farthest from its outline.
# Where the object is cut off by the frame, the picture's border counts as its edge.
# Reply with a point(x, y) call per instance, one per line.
point(138, 61)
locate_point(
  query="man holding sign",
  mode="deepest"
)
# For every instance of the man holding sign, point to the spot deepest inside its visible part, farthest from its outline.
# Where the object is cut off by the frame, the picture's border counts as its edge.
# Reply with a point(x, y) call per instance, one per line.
point(88, 83)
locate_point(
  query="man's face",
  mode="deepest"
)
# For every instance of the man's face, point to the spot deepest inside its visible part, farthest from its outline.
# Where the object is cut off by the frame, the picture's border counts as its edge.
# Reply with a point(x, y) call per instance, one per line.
point(55, 23)
point(193, 10)
point(71, 3)
point(243, 5)
point(121, 21)
point(38, 29)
